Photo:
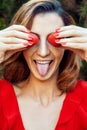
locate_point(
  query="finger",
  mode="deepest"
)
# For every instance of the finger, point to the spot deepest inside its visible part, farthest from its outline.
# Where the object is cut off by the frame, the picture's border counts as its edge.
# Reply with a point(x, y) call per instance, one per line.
point(17, 27)
point(70, 27)
point(15, 46)
point(18, 34)
point(73, 39)
point(72, 30)
point(70, 33)
point(8, 47)
point(75, 45)
point(13, 40)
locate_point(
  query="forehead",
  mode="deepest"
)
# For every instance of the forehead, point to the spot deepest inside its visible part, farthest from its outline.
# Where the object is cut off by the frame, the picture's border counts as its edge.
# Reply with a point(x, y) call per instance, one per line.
point(45, 23)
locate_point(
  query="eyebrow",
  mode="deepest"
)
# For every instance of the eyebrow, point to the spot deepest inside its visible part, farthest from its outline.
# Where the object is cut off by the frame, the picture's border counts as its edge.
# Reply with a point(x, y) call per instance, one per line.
point(39, 35)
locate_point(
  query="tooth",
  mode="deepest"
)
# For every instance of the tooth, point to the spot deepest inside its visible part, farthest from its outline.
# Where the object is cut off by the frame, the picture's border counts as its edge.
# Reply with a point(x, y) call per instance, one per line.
point(43, 62)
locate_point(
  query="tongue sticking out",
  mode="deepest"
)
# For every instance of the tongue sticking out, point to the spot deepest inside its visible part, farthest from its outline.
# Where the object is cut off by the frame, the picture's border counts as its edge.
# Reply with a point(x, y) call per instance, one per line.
point(43, 68)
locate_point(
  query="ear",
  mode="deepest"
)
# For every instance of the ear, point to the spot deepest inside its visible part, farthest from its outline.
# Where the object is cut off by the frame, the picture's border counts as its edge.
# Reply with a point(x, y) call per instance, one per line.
point(51, 39)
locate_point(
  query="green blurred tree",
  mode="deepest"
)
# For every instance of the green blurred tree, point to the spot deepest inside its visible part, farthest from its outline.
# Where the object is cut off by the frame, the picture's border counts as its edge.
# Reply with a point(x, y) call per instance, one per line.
point(7, 10)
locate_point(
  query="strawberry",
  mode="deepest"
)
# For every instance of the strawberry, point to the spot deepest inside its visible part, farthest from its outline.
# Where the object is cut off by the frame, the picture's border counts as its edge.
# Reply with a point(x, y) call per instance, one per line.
point(35, 39)
point(51, 40)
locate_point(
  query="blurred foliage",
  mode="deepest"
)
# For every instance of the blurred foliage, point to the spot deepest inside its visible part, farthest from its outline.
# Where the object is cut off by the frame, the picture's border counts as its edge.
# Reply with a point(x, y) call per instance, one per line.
point(83, 14)
point(77, 8)
point(6, 7)
point(83, 72)
point(7, 10)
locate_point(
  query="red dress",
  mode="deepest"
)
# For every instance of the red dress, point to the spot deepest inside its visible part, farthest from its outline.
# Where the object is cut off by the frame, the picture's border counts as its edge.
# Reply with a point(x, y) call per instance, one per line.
point(73, 115)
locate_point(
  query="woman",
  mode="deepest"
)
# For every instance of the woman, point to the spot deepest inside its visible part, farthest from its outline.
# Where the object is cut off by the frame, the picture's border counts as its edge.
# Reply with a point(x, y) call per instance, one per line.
point(40, 59)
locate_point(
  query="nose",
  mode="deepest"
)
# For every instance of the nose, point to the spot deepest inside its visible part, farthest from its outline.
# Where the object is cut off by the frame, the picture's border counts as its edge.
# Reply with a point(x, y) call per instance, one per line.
point(43, 48)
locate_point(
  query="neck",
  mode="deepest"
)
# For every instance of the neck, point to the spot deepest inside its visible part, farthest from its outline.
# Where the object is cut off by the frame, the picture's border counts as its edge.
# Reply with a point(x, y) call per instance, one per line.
point(42, 91)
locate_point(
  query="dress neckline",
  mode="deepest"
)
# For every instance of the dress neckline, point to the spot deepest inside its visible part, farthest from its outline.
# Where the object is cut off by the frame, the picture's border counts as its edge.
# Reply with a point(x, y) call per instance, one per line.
point(69, 107)
point(20, 117)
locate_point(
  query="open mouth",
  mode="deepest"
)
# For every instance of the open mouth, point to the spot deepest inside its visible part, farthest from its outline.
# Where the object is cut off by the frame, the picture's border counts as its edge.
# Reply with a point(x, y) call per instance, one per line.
point(43, 62)
point(43, 66)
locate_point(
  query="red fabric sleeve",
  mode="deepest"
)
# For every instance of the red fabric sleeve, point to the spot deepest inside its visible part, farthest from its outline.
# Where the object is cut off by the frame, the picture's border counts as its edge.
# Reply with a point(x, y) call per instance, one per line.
point(10, 118)
point(3, 120)
point(73, 115)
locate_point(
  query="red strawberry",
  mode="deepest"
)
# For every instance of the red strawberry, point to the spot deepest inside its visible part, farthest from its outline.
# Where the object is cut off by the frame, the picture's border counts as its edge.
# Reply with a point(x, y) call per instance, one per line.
point(51, 40)
point(35, 39)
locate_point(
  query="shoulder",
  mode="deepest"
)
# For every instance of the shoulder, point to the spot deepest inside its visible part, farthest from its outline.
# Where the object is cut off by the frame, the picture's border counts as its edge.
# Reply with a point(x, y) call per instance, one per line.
point(81, 88)
point(8, 105)
point(77, 104)
point(82, 83)
point(79, 91)
point(4, 83)
point(5, 88)
point(81, 94)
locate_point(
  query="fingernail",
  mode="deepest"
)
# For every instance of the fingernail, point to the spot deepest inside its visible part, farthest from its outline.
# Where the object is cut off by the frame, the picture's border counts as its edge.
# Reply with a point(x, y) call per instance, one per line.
point(30, 38)
point(57, 40)
point(28, 43)
point(31, 43)
point(56, 34)
point(25, 44)
point(63, 43)
point(58, 29)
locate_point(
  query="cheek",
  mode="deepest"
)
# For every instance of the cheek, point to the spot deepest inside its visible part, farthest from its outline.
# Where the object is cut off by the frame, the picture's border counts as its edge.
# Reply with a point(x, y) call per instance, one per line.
point(27, 54)
point(59, 54)
point(27, 57)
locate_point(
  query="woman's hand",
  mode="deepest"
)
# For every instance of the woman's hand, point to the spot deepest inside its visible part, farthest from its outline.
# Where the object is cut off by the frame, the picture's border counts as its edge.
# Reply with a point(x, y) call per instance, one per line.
point(73, 38)
point(13, 39)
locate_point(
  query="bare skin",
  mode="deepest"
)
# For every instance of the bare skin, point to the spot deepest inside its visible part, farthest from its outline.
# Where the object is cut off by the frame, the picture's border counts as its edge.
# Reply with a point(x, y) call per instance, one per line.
point(38, 97)
point(13, 39)
point(39, 110)
point(75, 39)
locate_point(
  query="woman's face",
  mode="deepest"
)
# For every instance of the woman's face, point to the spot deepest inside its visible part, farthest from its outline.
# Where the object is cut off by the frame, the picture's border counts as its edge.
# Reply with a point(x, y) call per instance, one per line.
point(43, 59)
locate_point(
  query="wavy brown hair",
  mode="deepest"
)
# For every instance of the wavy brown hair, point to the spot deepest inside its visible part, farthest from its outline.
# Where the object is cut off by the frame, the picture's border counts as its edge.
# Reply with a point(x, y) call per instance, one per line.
point(15, 69)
